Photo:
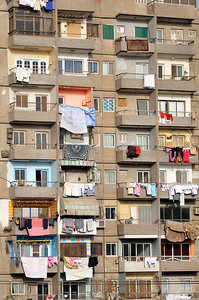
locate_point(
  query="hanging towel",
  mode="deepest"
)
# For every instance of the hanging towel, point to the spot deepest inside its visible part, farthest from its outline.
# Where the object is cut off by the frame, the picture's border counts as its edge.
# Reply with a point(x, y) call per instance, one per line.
point(37, 228)
point(153, 190)
point(138, 189)
point(73, 119)
point(149, 81)
point(35, 267)
point(82, 272)
point(89, 224)
point(185, 156)
point(90, 115)
point(148, 190)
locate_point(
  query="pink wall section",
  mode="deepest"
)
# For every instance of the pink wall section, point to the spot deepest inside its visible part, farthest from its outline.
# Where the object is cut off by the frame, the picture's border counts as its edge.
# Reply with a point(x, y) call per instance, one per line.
point(75, 96)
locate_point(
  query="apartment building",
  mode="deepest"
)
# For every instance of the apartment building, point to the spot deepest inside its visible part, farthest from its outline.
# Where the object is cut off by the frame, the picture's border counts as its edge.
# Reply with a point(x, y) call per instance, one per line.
point(99, 149)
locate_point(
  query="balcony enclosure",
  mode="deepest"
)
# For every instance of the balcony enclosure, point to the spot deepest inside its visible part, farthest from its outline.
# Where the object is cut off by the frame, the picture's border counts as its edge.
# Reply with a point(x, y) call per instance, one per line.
point(30, 22)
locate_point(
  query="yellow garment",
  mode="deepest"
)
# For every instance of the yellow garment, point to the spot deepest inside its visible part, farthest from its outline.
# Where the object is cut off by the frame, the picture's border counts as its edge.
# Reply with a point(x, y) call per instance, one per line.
point(67, 262)
point(193, 150)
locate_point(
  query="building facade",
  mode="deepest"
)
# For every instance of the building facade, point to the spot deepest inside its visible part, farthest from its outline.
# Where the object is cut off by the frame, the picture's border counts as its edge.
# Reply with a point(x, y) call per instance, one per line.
point(99, 149)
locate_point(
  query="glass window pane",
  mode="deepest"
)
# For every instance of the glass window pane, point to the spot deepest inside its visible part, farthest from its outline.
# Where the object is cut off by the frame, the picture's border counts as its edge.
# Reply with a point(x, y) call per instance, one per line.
point(108, 249)
point(105, 68)
point(34, 212)
point(185, 214)
point(26, 212)
point(180, 109)
point(77, 66)
point(172, 108)
point(68, 66)
point(140, 176)
point(147, 251)
point(176, 214)
point(108, 213)
point(168, 213)
point(140, 250)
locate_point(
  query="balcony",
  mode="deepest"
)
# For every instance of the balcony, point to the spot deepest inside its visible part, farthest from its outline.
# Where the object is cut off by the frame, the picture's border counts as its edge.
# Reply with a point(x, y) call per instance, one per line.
point(174, 10)
point(78, 233)
point(180, 264)
point(126, 46)
point(138, 119)
point(78, 45)
point(21, 190)
point(181, 120)
point(38, 78)
point(129, 9)
point(31, 113)
point(133, 229)
point(164, 158)
point(146, 156)
point(165, 194)
point(17, 232)
point(176, 47)
point(83, 79)
point(177, 84)
point(136, 264)
point(122, 193)
point(32, 151)
point(19, 270)
point(86, 7)
point(128, 82)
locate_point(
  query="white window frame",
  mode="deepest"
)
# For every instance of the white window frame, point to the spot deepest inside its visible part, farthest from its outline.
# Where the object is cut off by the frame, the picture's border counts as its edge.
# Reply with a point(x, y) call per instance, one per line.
point(41, 132)
point(113, 139)
point(73, 60)
point(111, 255)
point(18, 283)
point(92, 62)
point(161, 65)
point(160, 41)
point(163, 138)
point(177, 30)
point(122, 138)
point(32, 60)
point(176, 137)
point(31, 249)
point(18, 133)
point(109, 171)
point(108, 63)
point(165, 175)
point(110, 208)
point(93, 139)
point(142, 172)
point(108, 99)
point(142, 136)
point(97, 99)
point(184, 281)
point(119, 27)
point(78, 284)
point(165, 285)
point(192, 33)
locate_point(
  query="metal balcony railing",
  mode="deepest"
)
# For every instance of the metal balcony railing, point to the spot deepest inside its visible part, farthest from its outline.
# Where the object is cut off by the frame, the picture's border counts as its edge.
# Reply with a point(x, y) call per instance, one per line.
point(175, 42)
point(37, 146)
point(36, 70)
point(31, 184)
point(126, 112)
point(143, 147)
point(32, 106)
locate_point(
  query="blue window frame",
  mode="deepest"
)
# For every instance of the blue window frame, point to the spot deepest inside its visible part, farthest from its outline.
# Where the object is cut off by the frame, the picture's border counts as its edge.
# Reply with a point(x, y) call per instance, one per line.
point(93, 67)
point(20, 174)
point(73, 66)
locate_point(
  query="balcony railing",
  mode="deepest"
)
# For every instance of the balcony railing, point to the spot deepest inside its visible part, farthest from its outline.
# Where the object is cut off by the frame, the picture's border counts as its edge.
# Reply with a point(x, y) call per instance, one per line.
point(38, 146)
point(73, 35)
point(71, 73)
point(35, 71)
point(173, 77)
point(124, 112)
point(174, 2)
point(179, 258)
point(183, 114)
point(175, 42)
point(136, 258)
point(132, 221)
point(30, 184)
point(32, 106)
point(143, 147)
point(130, 75)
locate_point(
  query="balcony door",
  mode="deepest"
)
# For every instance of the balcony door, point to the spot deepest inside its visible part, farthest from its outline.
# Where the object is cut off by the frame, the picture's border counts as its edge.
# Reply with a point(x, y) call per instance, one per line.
point(41, 178)
point(41, 103)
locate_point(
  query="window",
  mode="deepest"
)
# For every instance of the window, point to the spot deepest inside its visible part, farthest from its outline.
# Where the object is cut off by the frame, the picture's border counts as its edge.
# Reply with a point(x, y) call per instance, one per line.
point(143, 141)
point(165, 285)
point(139, 288)
point(163, 176)
point(185, 285)
point(43, 67)
point(111, 249)
point(37, 66)
point(109, 176)
point(178, 141)
point(92, 30)
point(61, 100)
point(20, 174)
point(108, 32)
point(142, 69)
point(96, 249)
point(41, 140)
point(192, 33)
point(143, 176)
point(18, 137)
point(93, 67)
point(94, 139)
point(42, 291)
point(109, 104)
point(73, 290)
point(161, 140)
point(19, 63)
point(177, 35)
point(121, 102)
point(176, 71)
point(120, 29)
point(96, 103)
point(17, 288)
point(160, 71)
point(73, 249)
point(142, 107)
point(41, 178)
point(97, 289)
point(107, 68)
point(22, 100)
point(182, 176)
point(109, 140)
point(41, 103)
point(110, 213)
point(73, 66)
point(34, 212)
point(136, 251)
point(176, 108)
point(141, 32)
point(122, 138)
point(178, 214)
point(160, 36)
point(174, 252)
point(33, 250)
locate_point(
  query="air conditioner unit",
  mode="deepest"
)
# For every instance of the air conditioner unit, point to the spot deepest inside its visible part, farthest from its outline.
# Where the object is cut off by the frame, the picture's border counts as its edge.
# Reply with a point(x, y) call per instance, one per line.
point(196, 211)
point(100, 223)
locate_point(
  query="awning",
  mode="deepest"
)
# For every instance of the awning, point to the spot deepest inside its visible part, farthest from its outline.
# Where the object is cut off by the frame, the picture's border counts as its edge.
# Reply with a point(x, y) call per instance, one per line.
point(80, 207)
point(78, 163)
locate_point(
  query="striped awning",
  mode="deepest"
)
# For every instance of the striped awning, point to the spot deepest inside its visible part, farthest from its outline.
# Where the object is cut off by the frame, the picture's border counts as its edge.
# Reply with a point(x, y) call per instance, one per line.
point(80, 207)
point(78, 163)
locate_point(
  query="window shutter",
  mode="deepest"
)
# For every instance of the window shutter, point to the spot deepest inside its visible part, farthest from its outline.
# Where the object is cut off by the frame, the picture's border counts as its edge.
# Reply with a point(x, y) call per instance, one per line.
point(141, 32)
point(132, 289)
point(73, 249)
point(96, 249)
point(122, 102)
point(108, 32)
point(178, 176)
point(144, 214)
point(184, 177)
point(24, 101)
point(148, 288)
point(44, 103)
point(18, 100)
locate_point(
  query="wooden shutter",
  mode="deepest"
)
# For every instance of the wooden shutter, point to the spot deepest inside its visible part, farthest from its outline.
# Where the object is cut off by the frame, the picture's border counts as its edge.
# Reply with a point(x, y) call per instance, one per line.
point(148, 283)
point(74, 30)
point(122, 102)
point(174, 71)
point(141, 32)
point(108, 32)
point(178, 176)
point(96, 249)
point(73, 249)
point(132, 289)
point(92, 30)
point(44, 103)
point(24, 101)
point(18, 100)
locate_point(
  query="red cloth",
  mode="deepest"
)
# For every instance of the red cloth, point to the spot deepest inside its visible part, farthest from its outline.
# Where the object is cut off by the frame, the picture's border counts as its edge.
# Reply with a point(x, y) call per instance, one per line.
point(37, 228)
point(169, 117)
point(162, 115)
point(185, 156)
point(138, 150)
